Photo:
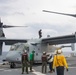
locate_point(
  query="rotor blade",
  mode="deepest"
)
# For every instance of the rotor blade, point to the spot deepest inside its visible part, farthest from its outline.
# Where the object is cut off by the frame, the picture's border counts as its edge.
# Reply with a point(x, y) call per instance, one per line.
point(73, 15)
point(8, 26)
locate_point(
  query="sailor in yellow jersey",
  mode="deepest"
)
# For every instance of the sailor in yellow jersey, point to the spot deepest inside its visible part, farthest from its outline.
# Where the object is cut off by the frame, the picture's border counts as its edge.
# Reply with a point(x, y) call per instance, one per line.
point(59, 62)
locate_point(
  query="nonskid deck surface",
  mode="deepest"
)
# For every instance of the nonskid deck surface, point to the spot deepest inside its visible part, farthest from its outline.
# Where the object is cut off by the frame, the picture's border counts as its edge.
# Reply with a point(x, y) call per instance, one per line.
point(5, 70)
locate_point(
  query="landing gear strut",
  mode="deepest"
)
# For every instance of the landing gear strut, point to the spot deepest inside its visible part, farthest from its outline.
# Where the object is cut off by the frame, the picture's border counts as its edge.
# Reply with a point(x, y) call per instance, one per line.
point(12, 65)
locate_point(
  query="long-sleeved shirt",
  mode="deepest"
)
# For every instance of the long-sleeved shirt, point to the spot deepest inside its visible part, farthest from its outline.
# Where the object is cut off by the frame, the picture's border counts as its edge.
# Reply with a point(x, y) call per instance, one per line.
point(59, 60)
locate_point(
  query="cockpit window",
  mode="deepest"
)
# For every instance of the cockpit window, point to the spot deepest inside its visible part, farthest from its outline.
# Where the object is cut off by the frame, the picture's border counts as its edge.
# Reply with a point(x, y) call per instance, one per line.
point(13, 47)
point(26, 48)
point(16, 47)
point(21, 47)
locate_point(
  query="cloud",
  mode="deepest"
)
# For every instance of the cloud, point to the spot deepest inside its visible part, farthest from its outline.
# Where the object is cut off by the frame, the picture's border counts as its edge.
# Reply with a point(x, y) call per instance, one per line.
point(5, 7)
point(32, 11)
point(5, 1)
point(29, 12)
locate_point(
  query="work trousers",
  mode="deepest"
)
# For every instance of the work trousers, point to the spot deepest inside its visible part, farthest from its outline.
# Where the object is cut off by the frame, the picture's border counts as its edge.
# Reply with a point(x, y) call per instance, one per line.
point(44, 66)
point(60, 70)
point(25, 65)
point(31, 64)
point(50, 66)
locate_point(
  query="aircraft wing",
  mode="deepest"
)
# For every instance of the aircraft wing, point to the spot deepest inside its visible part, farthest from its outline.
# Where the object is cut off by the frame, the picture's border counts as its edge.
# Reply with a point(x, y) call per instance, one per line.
point(12, 41)
point(60, 39)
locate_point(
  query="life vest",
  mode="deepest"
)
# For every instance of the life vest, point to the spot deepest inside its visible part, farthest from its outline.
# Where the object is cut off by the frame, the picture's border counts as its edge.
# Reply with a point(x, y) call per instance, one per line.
point(44, 58)
point(50, 59)
point(24, 57)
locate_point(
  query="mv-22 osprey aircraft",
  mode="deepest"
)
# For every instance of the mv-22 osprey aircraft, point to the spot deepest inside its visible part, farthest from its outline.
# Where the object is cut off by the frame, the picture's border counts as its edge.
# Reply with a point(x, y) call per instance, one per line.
point(38, 45)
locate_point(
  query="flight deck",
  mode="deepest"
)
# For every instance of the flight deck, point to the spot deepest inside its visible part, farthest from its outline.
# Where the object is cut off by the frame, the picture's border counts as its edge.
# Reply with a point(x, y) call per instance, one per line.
point(6, 70)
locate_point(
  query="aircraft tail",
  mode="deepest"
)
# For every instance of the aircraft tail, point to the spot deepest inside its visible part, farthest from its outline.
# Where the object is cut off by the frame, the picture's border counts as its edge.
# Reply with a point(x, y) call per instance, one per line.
point(73, 46)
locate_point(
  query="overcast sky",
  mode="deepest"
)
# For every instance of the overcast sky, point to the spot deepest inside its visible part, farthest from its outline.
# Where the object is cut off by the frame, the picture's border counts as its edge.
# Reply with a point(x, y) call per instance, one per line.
point(29, 13)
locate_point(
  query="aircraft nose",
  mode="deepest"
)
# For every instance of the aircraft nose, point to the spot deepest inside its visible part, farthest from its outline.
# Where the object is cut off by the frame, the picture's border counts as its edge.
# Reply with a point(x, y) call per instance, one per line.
point(13, 56)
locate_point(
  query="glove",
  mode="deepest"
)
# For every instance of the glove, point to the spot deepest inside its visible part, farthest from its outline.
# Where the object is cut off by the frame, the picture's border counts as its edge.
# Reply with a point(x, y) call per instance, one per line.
point(53, 70)
point(67, 69)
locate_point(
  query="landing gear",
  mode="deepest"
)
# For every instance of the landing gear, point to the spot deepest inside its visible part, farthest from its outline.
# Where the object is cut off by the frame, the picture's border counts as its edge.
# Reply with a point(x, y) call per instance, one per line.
point(12, 65)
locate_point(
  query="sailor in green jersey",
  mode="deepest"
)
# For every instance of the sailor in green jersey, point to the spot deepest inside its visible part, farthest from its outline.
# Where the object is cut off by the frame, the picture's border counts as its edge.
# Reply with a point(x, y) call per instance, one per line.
point(31, 60)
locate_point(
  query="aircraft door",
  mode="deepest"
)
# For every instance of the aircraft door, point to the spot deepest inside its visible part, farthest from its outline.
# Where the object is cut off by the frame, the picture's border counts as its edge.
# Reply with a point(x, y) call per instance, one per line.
point(38, 53)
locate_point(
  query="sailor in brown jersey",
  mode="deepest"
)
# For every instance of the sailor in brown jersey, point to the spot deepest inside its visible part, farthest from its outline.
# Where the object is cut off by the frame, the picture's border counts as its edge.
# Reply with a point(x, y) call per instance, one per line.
point(44, 62)
point(25, 62)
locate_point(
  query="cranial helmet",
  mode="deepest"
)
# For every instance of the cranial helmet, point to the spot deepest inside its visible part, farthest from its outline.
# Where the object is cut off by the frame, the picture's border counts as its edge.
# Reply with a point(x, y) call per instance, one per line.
point(59, 51)
point(25, 51)
point(33, 51)
point(44, 52)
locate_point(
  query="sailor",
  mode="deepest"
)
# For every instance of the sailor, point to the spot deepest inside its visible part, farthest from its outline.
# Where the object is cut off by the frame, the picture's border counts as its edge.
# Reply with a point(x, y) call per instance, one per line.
point(50, 62)
point(31, 60)
point(40, 33)
point(59, 62)
point(44, 62)
point(25, 61)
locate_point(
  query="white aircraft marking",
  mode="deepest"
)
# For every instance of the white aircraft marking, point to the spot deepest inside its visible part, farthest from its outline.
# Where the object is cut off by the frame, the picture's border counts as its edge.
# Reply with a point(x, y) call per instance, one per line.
point(1, 69)
point(38, 73)
point(7, 70)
